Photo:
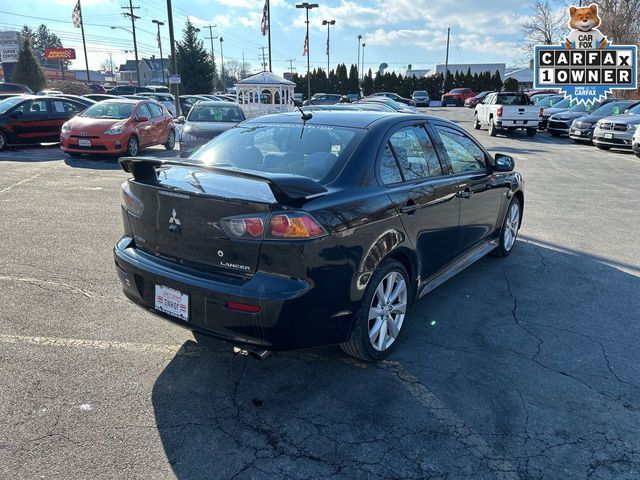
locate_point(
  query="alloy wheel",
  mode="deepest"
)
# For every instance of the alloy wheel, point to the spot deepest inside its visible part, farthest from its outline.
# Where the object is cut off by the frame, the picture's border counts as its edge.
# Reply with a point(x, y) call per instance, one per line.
point(511, 225)
point(133, 146)
point(387, 311)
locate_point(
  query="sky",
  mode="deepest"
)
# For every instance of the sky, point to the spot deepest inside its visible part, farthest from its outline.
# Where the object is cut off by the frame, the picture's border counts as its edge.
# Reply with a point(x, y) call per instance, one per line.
point(396, 32)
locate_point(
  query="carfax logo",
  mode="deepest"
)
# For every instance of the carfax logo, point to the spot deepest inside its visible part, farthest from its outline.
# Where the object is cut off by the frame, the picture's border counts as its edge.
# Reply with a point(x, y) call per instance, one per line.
point(587, 66)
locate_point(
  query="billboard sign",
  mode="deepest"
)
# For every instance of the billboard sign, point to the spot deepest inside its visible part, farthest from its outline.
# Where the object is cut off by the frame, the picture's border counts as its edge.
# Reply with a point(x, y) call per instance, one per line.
point(9, 46)
point(60, 54)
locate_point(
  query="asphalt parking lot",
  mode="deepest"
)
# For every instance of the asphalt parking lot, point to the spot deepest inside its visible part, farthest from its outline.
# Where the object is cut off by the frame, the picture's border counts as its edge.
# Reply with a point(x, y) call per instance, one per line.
point(518, 368)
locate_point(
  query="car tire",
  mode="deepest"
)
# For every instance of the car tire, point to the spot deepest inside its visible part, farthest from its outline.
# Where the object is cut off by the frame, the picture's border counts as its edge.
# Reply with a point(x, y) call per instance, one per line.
point(476, 122)
point(531, 132)
point(133, 146)
point(493, 130)
point(510, 227)
point(171, 140)
point(3, 141)
point(602, 147)
point(365, 342)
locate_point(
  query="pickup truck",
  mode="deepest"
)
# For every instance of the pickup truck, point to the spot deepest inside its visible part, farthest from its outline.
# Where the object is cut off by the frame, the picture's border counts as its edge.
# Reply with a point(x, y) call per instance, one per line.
point(507, 111)
point(457, 96)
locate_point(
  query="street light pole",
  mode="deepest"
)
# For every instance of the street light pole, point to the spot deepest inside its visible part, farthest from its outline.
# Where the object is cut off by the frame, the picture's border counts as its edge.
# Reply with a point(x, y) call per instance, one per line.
point(358, 64)
point(363, 72)
point(328, 23)
point(159, 23)
point(308, 6)
point(224, 87)
point(135, 44)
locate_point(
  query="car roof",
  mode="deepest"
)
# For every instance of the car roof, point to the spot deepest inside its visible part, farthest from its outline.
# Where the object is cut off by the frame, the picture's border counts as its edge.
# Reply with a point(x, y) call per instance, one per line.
point(217, 103)
point(126, 100)
point(348, 118)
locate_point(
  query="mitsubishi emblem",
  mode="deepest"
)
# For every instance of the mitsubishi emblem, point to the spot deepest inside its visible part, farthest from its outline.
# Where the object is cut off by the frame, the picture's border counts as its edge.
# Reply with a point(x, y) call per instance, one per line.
point(174, 223)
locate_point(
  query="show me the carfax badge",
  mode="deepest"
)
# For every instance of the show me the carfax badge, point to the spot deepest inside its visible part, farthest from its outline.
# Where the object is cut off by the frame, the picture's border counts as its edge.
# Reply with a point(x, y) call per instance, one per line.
point(587, 66)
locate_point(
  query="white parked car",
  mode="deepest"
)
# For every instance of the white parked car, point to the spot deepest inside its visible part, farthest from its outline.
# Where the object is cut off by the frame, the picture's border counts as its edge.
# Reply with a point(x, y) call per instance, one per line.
point(166, 99)
point(501, 111)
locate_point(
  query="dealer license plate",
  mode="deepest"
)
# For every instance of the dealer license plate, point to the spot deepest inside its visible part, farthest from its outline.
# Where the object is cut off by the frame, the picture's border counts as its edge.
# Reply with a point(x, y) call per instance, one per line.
point(172, 302)
point(84, 143)
point(608, 135)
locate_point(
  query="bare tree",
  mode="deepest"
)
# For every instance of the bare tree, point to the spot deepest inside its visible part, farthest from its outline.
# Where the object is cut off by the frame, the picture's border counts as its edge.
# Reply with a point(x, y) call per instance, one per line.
point(108, 65)
point(620, 20)
point(546, 27)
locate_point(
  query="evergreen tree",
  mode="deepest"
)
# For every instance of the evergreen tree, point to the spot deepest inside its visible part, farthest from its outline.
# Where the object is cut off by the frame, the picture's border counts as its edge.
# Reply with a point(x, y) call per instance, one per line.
point(511, 85)
point(367, 84)
point(496, 81)
point(27, 70)
point(354, 81)
point(28, 34)
point(44, 39)
point(194, 65)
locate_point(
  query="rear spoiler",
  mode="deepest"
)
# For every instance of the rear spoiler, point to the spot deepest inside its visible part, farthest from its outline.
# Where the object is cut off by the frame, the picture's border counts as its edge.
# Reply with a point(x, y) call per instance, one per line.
point(287, 189)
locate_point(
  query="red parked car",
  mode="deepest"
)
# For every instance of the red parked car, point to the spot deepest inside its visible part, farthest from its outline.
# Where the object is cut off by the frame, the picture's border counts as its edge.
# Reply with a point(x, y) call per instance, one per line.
point(119, 127)
point(457, 96)
point(471, 102)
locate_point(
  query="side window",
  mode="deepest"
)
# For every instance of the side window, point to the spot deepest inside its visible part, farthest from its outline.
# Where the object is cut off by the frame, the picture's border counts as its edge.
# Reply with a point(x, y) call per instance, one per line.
point(415, 152)
point(156, 111)
point(69, 107)
point(389, 170)
point(464, 155)
point(143, 110)
point(35, 107)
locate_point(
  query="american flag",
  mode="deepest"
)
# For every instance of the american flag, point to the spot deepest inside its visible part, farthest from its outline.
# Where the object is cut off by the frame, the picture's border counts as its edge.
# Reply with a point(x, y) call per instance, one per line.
point(264, 25)
point(76, 16)
point(305, 52)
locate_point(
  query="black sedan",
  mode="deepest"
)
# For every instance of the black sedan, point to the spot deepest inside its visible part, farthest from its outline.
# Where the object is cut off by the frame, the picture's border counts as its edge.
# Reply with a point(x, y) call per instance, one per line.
point(33, 119)
point(287, 232)
point(205, 121)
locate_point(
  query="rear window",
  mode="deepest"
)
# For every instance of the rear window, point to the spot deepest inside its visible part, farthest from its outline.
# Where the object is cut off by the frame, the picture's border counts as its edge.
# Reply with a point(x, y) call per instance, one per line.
point(457, 90)
point(212, 113)
point(314, 151)
point(512, 100)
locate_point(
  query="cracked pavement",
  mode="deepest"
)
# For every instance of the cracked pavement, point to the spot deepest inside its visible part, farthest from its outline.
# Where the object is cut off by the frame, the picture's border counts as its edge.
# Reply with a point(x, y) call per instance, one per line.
point(523, 368)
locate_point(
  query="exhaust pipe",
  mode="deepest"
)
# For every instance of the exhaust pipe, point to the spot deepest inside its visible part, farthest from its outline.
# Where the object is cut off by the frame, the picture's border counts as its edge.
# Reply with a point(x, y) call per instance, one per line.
point(256, 354)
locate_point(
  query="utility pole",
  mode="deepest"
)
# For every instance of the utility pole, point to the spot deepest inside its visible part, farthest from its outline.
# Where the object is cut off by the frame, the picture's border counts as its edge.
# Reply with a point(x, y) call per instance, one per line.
point(358, 64)
point(264, 60)
point(290, 60)
point(328, 23)
point(242, 72)
point(213, 55)
point(446, 63)
point(159, 23)
point(173, 55)
point(224, 85)
point(308, 6)
point(133, 27)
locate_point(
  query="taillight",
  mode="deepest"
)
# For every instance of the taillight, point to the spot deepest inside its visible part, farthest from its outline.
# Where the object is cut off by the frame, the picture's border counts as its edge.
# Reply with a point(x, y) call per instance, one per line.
point(243, 227)
point(295, 225)
point(130, 202)
point(499, 112)
point(280, 226)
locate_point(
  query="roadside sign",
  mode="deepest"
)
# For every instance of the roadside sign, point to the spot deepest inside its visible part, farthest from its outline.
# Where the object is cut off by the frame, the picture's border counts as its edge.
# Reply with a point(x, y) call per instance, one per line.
point(174, 78)
point(60, 54)
point(9, 46)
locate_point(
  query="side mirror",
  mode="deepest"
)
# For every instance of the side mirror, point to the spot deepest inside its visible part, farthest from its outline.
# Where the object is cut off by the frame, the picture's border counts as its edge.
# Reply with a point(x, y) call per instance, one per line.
point(180, 120)
point(503, 163)
point(142, 118)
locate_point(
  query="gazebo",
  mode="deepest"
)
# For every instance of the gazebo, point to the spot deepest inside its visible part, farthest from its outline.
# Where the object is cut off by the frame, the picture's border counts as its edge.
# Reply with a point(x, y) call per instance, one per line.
point(265, 93)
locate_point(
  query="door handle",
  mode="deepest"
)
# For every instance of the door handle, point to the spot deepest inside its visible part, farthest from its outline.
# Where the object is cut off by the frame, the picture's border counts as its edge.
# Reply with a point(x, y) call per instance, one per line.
point(410, 207)
point(466, 193)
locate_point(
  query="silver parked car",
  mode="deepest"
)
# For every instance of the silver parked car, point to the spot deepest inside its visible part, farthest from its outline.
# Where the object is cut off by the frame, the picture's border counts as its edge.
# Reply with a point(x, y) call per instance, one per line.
point(166, 99)
point(207, 120)
point(617, 131)
point(636, 142)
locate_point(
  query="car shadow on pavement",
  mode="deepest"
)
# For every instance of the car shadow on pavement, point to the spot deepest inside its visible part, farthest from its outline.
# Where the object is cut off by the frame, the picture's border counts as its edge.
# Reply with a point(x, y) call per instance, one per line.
point(535, 355)
point(96, 162)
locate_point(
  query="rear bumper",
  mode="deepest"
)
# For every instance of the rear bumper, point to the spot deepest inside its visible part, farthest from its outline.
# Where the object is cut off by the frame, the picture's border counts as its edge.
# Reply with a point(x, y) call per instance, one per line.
point(508, 123)
point(286, 320)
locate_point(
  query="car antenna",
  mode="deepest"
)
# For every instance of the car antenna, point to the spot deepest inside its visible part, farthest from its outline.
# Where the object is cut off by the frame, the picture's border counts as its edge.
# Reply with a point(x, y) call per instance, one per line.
point(305, 115)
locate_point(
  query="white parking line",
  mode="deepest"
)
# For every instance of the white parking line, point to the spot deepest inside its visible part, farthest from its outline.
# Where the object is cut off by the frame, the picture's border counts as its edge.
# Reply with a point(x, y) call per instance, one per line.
point(456, 427)
point(33, 177)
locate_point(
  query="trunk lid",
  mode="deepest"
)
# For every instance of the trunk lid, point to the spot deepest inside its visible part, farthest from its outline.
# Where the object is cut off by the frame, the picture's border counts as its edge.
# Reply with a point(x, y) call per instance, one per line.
point(182, 212)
